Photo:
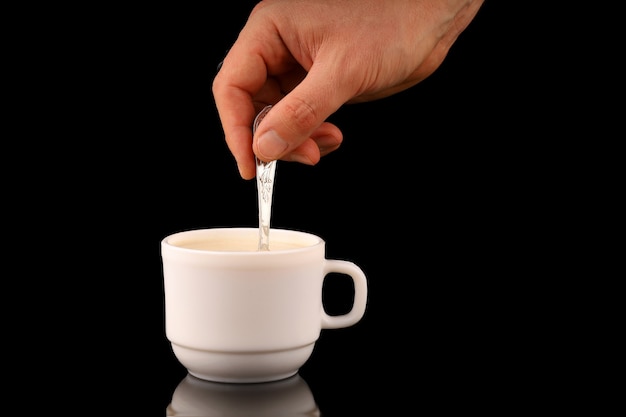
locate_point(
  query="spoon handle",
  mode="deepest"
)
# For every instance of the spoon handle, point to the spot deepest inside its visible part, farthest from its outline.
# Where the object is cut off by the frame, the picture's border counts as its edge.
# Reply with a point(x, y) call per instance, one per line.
point(265, 172)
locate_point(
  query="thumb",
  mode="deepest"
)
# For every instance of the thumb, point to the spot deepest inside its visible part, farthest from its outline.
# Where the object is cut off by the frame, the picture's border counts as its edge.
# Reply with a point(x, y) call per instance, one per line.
point(292, 120)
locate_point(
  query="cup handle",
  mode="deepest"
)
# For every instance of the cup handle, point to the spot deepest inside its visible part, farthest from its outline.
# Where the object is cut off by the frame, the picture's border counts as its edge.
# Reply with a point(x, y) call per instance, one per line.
point(360, 295)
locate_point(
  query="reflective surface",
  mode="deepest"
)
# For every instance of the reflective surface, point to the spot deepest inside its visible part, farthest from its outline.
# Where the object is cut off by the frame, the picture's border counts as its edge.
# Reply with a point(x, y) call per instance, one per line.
point(288, 397)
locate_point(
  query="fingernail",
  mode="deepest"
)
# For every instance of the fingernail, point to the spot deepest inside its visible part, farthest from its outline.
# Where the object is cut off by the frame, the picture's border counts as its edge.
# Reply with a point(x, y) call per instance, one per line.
point(270, 145)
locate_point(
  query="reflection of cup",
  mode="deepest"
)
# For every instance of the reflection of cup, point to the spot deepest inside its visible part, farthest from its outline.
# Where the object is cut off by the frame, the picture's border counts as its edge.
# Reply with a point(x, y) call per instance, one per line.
point(287, 397)
point(237, 314)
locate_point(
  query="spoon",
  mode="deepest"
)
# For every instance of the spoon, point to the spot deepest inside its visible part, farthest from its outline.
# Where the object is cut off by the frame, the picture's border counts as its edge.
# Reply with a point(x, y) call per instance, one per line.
point(265, 172)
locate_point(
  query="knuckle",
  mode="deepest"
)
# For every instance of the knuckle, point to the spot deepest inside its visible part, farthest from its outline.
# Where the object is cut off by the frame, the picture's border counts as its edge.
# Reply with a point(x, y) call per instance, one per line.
point(301, 116)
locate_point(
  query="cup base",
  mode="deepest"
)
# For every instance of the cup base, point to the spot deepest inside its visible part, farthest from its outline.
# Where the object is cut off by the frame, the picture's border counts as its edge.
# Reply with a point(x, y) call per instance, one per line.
point(243, 380)
point(242, 367)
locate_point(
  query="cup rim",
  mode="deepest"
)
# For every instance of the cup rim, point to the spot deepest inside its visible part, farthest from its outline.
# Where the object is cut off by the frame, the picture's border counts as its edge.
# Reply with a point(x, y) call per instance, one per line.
point(311, 240)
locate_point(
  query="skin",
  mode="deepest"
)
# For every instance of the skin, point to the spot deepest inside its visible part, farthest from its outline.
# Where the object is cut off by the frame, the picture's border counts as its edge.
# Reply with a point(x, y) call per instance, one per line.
point(309, 57)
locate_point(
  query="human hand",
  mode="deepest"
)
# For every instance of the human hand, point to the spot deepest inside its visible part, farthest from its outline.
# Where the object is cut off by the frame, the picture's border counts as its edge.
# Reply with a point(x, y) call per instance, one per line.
point(308, 58)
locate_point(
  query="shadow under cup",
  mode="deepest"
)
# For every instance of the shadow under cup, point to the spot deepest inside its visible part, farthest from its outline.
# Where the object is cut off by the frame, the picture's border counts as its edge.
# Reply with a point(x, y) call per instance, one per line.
point(237, 314)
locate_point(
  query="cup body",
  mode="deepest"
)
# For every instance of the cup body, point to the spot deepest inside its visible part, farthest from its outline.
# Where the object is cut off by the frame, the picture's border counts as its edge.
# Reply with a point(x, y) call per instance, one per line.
point(237, 314)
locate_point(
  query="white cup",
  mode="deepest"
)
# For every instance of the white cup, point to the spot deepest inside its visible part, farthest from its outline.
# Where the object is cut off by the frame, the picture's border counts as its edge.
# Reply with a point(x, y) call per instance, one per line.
point(237, 314)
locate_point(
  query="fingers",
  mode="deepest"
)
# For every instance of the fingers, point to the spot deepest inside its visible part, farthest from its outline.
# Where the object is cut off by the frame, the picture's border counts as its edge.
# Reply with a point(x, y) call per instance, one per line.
point(297, 121)
point(295, 128)
point(324, 140)
point(328, 138)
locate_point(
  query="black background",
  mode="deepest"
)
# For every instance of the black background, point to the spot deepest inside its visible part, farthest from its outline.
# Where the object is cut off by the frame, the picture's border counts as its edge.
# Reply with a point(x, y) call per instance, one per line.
point(426, 195)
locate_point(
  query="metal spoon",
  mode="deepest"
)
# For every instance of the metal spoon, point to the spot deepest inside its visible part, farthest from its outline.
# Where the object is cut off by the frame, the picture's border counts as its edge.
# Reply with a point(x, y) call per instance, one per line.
point(265, 172)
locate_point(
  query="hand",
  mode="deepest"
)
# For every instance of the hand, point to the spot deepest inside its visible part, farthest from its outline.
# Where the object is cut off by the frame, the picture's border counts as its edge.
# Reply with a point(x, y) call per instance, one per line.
point(308, 58)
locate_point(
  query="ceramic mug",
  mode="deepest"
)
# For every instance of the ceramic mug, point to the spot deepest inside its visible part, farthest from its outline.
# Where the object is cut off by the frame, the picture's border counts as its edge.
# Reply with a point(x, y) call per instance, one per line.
point(234, 313)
